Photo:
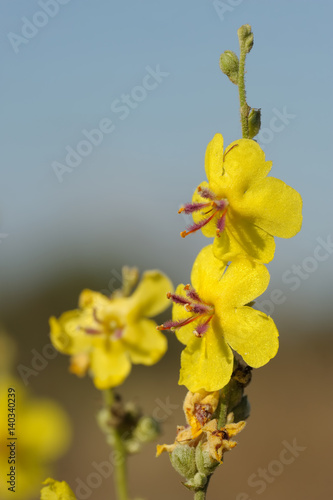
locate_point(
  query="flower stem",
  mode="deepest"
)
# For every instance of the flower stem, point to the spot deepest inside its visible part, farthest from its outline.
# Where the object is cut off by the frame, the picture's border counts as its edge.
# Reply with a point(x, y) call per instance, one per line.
point(120, 454)
point(200, 495)
point(244, 108)
point(223, 406)
point(120, 467)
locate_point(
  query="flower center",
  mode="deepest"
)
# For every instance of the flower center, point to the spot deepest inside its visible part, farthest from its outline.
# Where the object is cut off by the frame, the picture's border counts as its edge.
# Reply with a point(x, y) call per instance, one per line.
point(214, 208)
point(109, 325)
point(193, 304)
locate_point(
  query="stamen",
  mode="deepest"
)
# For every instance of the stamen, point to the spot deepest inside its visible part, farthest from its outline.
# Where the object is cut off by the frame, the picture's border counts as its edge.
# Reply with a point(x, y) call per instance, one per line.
point(189, 208)
point(202, 328)
point(197, 226)
point(198, 308)
point(206, 193)
point(230, 149)
point(118, 334)
point(92, 331)
point(192, 304)
point(95, 316)
point(220, 225)
point(173, 325)
point(177, 299)
point(191, 293)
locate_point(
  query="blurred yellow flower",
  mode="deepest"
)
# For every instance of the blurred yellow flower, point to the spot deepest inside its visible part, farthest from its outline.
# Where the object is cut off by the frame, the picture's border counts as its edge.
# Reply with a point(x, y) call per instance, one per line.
point(106, 335)
point(212, 317)
point(42, 433)
point(54, 490)
point(240, 206)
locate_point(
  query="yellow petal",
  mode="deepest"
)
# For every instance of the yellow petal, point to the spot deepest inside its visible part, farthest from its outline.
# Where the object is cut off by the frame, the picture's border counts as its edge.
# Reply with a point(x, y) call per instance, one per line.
point(150, 297)
point(243, 282)
point(67, 334)
point(242, 237)
point(95, 300)
point(234, 428)
point(244, 164)
point(165, 447)
point(274, 206)
point(214, 158)
point(110, 366)
point(207, 272)
point(252, 334)
point(145, 344)
point(206, 363)
point(56, 490)
point(79, 364)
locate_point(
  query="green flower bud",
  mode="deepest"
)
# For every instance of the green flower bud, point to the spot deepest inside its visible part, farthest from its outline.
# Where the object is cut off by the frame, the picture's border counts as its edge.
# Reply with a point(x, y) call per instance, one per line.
point(229, 65)
point(132, 446)
point(146, 430)
point(245, 37)
point(254, 121)
point(197, 482)
point(183, 461)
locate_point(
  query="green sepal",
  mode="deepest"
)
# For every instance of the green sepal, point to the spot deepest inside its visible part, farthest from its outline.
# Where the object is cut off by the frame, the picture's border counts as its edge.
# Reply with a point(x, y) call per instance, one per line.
point(229, 65)
point(183, 461)
point(254, 121)
point(197, 482)
point(205, 464)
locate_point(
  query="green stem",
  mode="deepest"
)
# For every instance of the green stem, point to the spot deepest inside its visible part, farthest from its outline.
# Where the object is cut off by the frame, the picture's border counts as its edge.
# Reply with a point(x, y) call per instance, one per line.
point(223, 406)
point(120, 467)
point(200, 495)
point(244, 108)
point(119, 451)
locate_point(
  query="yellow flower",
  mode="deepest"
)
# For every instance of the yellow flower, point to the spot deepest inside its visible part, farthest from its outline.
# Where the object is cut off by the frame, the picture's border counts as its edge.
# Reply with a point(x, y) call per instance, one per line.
point(107, 334)
point(212, 317)
point(242, 207)
point(54, 490)
point(199, 408)
point(42, 433)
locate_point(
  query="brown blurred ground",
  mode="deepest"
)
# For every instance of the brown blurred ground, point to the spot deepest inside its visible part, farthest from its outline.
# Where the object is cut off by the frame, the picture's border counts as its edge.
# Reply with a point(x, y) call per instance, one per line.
point(290, 399)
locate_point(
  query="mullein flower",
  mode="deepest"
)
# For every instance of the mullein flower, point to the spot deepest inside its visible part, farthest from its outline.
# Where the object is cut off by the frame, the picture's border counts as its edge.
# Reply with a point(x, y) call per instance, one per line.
point(211, 318)
point(56, 490)
point(107, 334)
point(239, 205)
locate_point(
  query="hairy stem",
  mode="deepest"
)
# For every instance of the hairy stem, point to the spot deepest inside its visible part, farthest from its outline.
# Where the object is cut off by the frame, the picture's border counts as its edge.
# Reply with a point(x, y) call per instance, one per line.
point(119, 452)
point(244, 108)
point(120, 467)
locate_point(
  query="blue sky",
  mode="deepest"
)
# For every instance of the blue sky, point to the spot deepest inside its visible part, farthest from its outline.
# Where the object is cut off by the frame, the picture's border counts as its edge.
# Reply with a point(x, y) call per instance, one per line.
point(71, 72)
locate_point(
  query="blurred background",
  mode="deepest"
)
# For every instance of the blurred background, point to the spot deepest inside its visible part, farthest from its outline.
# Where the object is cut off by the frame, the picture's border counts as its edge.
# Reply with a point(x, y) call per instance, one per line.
point(107, 110)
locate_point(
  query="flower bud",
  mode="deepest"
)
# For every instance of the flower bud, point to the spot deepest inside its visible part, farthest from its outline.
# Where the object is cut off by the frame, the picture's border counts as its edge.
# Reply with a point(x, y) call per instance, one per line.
point(146, 430)
point(197, 482)
point(229, 65)
point(254, 121)
point(183, 461)
point(245, 37)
